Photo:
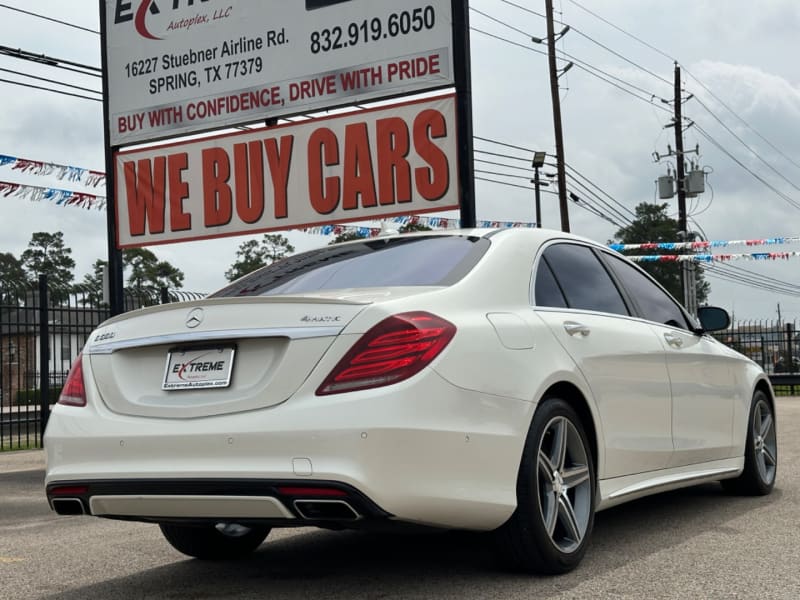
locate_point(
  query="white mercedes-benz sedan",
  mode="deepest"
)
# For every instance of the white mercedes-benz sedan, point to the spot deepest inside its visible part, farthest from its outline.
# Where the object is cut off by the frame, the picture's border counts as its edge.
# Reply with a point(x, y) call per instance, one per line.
point(511, 381)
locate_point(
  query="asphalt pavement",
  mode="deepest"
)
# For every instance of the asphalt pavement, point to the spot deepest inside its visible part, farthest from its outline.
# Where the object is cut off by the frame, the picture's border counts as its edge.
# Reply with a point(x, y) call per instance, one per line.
point(693, 543)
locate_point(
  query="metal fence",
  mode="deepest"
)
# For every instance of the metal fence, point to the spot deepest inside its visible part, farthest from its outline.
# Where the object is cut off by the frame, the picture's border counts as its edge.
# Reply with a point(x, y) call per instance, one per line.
point(42, 330)
point(775, 345)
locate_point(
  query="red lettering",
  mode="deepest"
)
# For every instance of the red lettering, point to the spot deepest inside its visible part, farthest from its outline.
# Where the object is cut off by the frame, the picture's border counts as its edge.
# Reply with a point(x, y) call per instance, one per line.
point(323, 151)
point(394, 172)
point(432, 183)
point(249, 181)
point(421, 66)
point(145, 185)
point(179, 220)
point(280, 159)
point(358, 175)
point(217, 195)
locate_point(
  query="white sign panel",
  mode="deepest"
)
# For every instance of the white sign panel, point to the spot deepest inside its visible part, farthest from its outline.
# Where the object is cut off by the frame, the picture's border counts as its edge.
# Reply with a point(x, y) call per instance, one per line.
point(182, 66)
point(362, 165)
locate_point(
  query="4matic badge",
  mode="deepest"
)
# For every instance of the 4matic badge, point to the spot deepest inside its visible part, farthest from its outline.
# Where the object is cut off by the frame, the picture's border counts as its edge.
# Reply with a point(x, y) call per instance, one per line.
point(321, 319)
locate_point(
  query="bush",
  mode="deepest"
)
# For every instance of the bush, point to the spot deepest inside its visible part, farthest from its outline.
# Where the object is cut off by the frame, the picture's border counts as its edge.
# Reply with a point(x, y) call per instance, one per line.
point(33, 397)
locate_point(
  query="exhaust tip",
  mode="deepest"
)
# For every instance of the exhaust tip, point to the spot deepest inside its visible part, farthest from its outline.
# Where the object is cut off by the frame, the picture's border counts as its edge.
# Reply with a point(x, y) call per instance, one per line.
point(68, 506)
point(326, 510)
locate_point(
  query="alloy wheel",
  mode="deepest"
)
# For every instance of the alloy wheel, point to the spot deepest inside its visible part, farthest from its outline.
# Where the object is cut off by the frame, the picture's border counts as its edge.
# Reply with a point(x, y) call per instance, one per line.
point(764, 441)
point(564, 484)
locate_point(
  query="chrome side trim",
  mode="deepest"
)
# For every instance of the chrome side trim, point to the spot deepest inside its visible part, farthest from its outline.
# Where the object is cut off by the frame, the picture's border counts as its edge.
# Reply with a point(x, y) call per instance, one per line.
point(656, 485)
point(293, 333)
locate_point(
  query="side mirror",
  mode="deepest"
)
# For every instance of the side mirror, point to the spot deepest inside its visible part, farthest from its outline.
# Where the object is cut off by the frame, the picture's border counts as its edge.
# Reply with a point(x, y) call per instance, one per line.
point(713, 318)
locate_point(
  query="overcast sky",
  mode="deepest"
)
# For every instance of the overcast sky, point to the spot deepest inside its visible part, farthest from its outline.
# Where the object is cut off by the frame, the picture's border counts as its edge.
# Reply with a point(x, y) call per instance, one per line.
point(735, 51)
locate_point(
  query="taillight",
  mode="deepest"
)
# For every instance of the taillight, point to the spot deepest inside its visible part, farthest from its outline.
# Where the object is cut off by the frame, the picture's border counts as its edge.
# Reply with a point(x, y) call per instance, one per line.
point(74, 392)
point(395, 349)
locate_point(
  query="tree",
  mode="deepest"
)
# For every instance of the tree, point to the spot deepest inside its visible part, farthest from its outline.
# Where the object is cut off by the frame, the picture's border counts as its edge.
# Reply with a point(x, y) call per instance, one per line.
point(12, 277)
point(147, 273)
point(92, 285)
point(11, 270)
point(253, 255)
point(346, 236)
point(653, 224)
point(47, 255)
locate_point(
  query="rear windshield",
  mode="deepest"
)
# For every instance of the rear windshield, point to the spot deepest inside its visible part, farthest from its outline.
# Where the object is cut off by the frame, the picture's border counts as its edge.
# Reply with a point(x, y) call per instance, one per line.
point(404, 261)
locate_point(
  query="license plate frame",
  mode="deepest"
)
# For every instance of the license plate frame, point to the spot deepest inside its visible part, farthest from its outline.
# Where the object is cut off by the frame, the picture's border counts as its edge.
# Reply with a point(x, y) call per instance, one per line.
point(199, 368)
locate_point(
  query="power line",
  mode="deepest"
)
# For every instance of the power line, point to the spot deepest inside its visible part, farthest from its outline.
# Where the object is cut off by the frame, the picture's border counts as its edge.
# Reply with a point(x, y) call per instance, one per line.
point(759, 277)
point(630, 35)
point(76, 87)
point(508, 41)
point(719, 146)
point(497, 164)
point(524, 187)
point(601, 190)
point(743, 143)
point(38, 87)
point(714, 272)
point(740, 119)
point(528, 10)
point(581, 33)
point(587, 67)
point(618, 55)
point(526, 178)
point(33, 14)
point(503, 23)
point(50, 61)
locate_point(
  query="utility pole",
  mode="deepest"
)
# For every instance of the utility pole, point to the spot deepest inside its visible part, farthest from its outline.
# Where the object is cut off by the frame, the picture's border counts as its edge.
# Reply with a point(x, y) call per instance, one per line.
point(681, 176)
point(687, 267)
point(554, 93)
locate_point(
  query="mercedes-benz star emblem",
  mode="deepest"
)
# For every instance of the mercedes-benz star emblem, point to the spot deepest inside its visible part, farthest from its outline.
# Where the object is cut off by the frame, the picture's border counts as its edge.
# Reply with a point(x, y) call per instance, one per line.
point(194, 318)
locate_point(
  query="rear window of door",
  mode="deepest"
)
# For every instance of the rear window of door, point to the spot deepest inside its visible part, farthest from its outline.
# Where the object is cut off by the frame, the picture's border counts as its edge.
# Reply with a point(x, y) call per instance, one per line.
point(653, 303)
point(581, 278)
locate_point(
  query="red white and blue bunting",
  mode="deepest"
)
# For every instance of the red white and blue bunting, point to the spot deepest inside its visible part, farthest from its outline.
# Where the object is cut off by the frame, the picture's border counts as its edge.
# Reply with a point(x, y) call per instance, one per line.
point(710, 258)
point(704, 245)
point(89, 178)
point(58, 196)
point(85, 177)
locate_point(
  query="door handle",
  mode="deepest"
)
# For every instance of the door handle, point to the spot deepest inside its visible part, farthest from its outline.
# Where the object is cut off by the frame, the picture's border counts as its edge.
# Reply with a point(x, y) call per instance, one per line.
point(673, 340)
point(576, 329)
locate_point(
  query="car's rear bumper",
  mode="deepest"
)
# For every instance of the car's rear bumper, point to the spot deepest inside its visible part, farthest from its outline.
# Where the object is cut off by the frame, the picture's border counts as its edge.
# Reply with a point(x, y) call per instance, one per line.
point(422, 452)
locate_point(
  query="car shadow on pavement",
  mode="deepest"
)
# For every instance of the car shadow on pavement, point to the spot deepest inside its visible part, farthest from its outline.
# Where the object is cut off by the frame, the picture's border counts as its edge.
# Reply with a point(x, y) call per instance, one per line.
point(324, 564)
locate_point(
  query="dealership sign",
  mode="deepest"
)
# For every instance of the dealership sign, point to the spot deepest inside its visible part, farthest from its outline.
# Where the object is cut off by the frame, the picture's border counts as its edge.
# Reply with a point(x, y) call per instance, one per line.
point(361, 165)
point(183, 66)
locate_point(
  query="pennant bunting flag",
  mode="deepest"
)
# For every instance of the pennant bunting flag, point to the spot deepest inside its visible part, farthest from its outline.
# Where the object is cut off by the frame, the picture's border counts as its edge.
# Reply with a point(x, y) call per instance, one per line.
point(61, 172)
point(58, 196)
point(94, 179)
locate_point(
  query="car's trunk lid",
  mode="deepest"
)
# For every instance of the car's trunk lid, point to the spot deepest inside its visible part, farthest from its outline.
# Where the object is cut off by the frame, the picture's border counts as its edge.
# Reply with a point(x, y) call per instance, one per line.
point(275, 343)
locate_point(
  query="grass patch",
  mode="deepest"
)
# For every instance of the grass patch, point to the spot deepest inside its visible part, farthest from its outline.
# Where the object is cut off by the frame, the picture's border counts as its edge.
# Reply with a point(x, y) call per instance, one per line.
point(15, 446)
point(786, 390)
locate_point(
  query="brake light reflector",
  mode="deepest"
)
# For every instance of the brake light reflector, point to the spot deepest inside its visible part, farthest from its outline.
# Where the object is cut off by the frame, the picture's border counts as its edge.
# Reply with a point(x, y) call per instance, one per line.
point(65, 490)
point(74, 392)
point(393, 350)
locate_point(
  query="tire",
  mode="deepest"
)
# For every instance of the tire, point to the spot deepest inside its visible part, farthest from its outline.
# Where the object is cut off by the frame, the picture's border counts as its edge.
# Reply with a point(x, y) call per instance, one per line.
point(214, 542)
point(549, 531)
point(760, 452)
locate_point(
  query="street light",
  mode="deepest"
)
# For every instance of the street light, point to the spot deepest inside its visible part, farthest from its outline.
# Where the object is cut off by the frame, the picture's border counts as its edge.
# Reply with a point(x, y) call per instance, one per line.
point(537, 163)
